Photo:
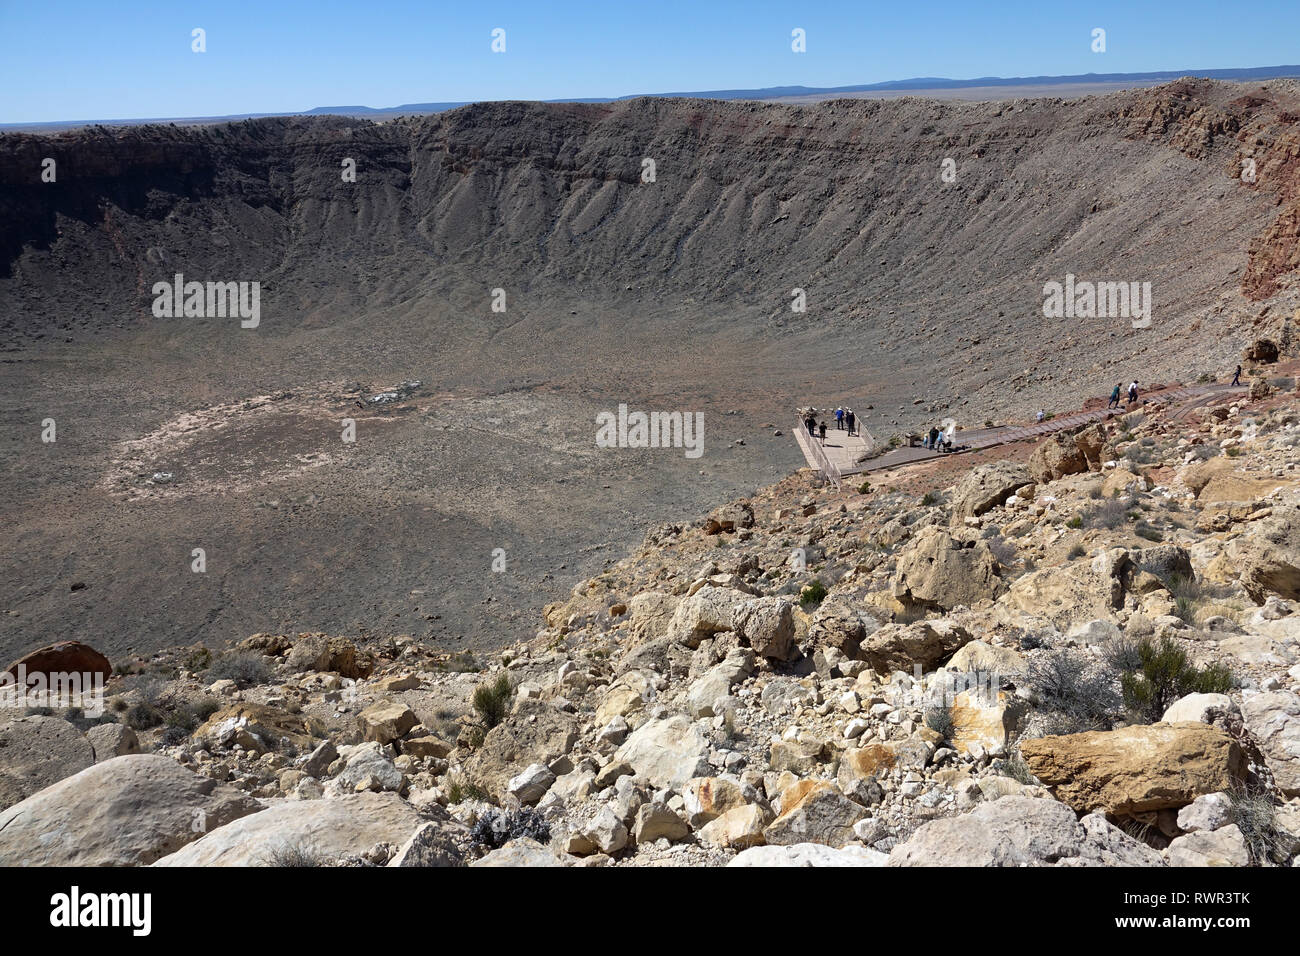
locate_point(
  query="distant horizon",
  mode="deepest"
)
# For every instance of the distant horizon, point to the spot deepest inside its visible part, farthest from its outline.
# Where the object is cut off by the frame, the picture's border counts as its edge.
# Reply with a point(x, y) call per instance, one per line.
point(80, 61)
point(917, 84)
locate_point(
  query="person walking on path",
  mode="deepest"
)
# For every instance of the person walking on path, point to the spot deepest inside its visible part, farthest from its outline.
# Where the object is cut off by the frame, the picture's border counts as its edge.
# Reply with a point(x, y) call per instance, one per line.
point(1133, 392)
point(839, 418)
point(932, 439)
point(812, 426)
point(1114, 396)
point(1236, 377)
point(821, 428)
point(849, 418)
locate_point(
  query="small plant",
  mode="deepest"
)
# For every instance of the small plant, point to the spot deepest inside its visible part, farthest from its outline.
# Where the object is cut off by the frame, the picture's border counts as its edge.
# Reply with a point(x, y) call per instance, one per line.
point(1256, 818)
point(1076, 695)
point(1076, 551)
point(1164, 674)
point(492, 701)
point(1015, 767)
point(458, 791)
point(244, 668)
point(812, 594)
point(864, 488)
point(1148, 532)
point(200, 659)
point(929, 498)
point(143, 716)
point(1005, 551)
point(1075, 521)
point(939, 719)
point(297, 855)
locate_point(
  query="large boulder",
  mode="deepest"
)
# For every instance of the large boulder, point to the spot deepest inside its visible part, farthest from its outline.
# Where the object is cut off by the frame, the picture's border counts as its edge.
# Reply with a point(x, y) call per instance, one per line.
point(1078, 591)
point(985, 487)
point(814, 811)
point(1268, 555)
point(1136, 769)
point(837, 624)
point(36, 752)
point(322, 829)
point(1067, 453)
point(704, 613)
point(64, 657)
point(900, 646)
point(258, 727)
point(940, 571)
point(1264, 351)
point(320, 652)
point(1273, 719)
point(128, 811)
point(667, 752)
point(767, 624)
point(386, 721)
point(1022, 831)
point(709, 694)
point(535, 732)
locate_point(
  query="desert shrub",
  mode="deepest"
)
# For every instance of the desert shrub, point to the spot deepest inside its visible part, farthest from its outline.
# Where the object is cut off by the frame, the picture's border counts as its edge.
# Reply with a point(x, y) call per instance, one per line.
point(296, 855)
point(458, 791)
point(492, 701)
point(939, 719)
point(1076, 521)
point(1005, 551)
point(1164, 674)
point(1075, 695)
point(1108, 514)
point(864, 488)
point(144, 716)
point(1076, 551)
point(813, 594)
point(1148, 532)
point(198, 660)
point(1256, 818)
point(1030, 640)
point(930, 498)
point(244, 668)
point(1014, 766)
point(173, 736)
point(496, 828)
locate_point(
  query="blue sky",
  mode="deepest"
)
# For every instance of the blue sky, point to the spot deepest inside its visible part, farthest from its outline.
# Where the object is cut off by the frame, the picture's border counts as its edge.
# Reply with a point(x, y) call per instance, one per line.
point(100, 59)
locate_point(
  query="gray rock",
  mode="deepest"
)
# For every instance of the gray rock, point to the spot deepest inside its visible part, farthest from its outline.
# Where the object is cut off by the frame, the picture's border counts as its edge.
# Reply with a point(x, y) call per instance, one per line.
point(127, 811)
point(112, 740)
point(1225, 846)
point(36, 752)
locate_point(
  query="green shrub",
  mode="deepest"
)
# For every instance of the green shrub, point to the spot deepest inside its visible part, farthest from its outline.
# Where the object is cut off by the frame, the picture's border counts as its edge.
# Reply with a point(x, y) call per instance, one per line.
point(813, 594)
point(929, 498)
point(939, 719)
point(1164, 674)
point(492, 701)
point(864, 488)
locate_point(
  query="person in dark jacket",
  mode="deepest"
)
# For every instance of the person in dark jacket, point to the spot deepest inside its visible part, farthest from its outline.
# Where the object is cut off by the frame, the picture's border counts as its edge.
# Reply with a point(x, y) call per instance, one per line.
point(1236, 377)
point(821, 429)
point(849, 419)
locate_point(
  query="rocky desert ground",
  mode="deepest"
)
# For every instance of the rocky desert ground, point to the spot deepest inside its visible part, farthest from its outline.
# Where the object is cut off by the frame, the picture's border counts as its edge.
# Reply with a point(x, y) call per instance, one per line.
point(1083, 653)
point(472, 637)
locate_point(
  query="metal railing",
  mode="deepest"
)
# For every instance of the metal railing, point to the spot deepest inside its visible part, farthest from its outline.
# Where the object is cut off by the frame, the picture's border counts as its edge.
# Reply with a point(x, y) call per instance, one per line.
point(818, 453)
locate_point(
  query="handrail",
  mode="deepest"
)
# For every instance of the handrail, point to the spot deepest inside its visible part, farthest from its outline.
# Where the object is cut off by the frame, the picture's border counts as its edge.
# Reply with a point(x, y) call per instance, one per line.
point(819, 454)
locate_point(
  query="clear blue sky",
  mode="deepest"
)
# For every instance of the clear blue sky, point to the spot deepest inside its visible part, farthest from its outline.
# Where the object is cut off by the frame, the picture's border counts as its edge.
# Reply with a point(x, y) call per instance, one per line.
point(101, 59)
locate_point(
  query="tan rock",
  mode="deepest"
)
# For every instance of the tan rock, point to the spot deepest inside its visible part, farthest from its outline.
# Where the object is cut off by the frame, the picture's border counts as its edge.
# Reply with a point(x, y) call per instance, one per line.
point(1136, 769)
point(386, 721)
point(738, 828)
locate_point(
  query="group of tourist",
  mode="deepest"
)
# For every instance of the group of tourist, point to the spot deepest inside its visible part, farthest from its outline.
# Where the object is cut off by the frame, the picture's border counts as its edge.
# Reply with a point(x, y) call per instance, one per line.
point(844, 419)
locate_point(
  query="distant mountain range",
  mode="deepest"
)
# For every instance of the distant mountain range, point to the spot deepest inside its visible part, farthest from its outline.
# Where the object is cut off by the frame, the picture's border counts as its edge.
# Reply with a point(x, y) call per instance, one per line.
point(918, 85)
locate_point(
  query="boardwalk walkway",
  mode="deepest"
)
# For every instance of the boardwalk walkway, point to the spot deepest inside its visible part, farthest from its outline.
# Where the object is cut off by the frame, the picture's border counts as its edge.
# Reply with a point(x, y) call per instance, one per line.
point(842, 453)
